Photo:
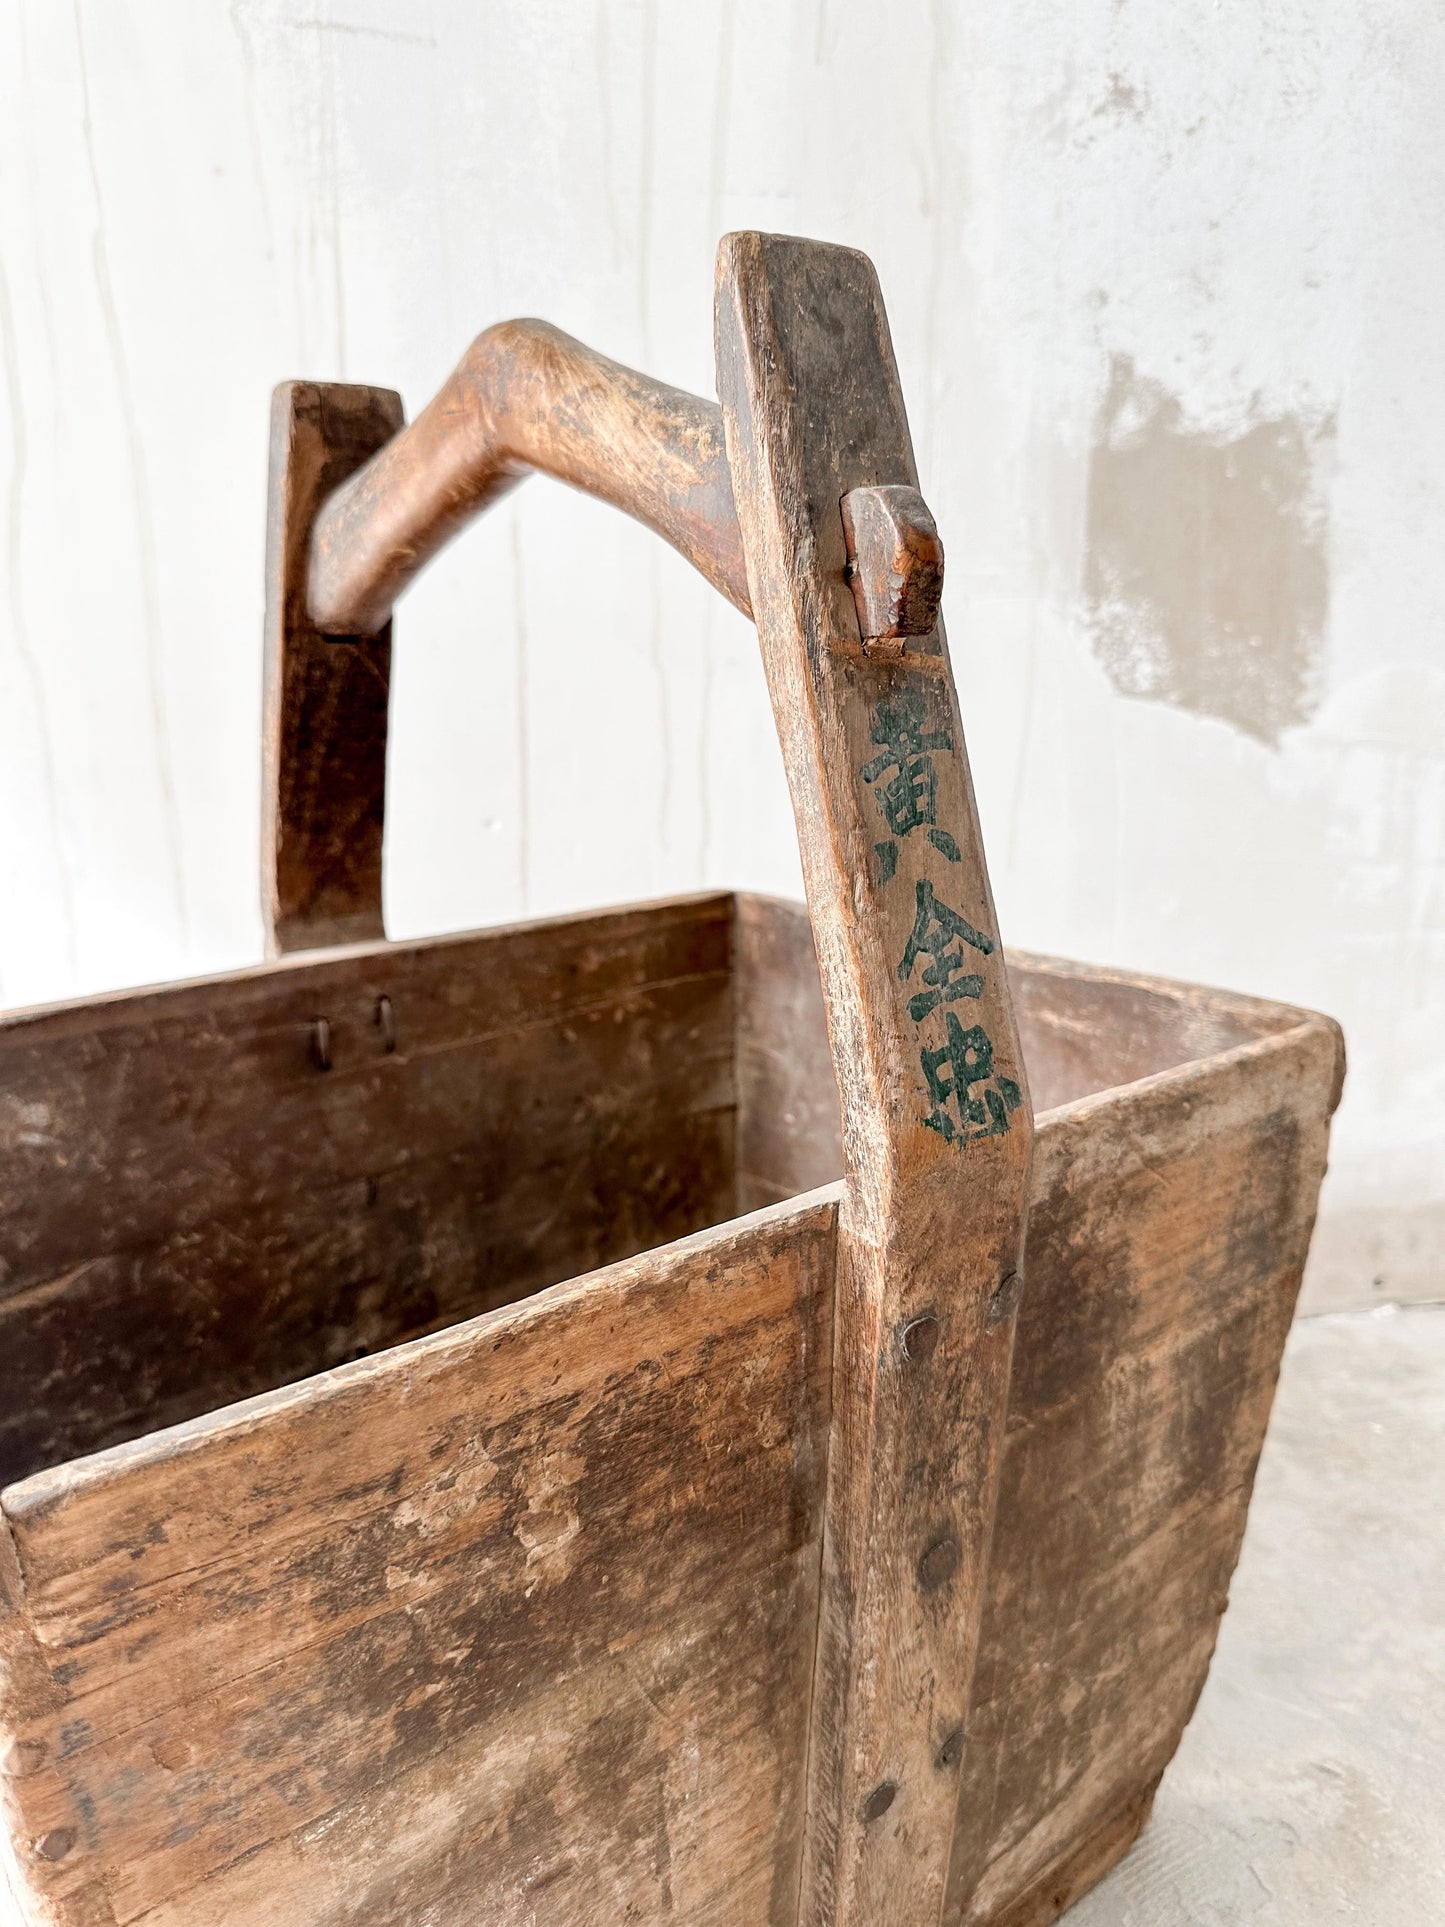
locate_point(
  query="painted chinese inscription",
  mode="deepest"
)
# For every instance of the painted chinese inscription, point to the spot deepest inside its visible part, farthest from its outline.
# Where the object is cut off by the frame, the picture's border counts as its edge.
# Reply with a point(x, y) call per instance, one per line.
point(909, 796)
point(968, 1098)
point(965, 1059)
point(940, 933)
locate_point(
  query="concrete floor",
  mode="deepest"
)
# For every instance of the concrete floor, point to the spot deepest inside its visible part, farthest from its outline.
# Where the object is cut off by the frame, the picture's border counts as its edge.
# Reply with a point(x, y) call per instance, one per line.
point(1310, 1786)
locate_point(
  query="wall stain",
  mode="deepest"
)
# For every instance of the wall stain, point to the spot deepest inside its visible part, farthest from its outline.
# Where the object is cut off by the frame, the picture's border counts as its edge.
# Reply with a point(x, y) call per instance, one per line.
point(1206, 573)
point(1124, 101)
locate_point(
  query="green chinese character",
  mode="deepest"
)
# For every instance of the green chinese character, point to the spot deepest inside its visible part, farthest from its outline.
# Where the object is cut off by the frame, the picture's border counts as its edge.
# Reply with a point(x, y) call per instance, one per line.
point(964, 1060)
point(940, 933)
point(909, 797)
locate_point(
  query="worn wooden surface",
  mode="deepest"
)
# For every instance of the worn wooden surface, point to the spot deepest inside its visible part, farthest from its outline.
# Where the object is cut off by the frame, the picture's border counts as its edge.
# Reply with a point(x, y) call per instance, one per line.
point(1167, 1234)
point(1088, 1028)
point(324, 731)
point(526, 396)
point(895, 562)
point(1083, 1029)
point(1168, 1223)
point(513, 1624)
point(935, 1114)
point(788, 1126)
point(191, 1211)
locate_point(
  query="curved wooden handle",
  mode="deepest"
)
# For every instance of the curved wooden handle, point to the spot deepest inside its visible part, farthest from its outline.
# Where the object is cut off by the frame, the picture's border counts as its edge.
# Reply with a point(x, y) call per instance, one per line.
point(525, 396)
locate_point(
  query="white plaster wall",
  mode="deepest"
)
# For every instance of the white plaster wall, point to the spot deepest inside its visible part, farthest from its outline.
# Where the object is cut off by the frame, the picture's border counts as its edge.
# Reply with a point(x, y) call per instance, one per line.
point(198, 199)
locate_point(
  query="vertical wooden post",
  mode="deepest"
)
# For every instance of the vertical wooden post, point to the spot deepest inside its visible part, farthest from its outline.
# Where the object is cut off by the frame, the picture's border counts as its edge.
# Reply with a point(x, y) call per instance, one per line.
point(936, 1119)
point(324, 735)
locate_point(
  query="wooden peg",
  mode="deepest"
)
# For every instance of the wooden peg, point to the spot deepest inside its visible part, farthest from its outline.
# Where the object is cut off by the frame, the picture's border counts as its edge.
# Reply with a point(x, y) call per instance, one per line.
point(895, 561)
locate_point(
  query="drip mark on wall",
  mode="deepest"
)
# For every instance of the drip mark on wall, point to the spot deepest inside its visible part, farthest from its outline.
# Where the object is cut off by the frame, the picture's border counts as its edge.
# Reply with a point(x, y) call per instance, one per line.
point(25, 654)
point(1206, 573)
point(140, 491)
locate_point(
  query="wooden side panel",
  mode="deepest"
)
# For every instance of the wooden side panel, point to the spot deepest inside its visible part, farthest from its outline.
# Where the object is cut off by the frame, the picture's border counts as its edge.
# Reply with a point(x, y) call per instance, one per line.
point(1167, 1233)
point(1082, 1030)
point(1086, 1029)
point(514, 1624)
point(324, 735)
point(789, 1131)
point(192, 1210)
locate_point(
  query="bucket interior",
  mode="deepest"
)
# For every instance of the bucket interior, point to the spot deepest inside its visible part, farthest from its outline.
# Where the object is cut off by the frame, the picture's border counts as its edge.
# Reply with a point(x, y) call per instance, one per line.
point(203, 1196)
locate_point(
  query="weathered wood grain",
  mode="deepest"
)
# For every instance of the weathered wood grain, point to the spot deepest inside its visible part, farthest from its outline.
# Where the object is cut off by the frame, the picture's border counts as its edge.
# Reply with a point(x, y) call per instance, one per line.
point(1180, 1142)
point(1083, 1029)
point(1089, 1029)
point(1168, 1223)
point(1087, 1860)
point(192, 1212)
point(325, 719)
point(895, 562)
point(1168, 1229)
point(788, 1127)
point(526, 396)
point(931, 1230)
point(561, 1562)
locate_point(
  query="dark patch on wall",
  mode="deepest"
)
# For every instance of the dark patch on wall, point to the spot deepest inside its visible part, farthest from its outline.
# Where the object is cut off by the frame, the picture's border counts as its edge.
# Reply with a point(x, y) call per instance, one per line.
point(1206, 572)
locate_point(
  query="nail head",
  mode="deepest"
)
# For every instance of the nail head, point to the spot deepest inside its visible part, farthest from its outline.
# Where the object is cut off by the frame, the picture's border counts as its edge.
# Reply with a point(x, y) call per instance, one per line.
point(55, 1844)
point(22, 1758)
point(920, 1337)
point(939, 1563)
point(386, 1024)
point(1005, 1298)
point(879, 1801)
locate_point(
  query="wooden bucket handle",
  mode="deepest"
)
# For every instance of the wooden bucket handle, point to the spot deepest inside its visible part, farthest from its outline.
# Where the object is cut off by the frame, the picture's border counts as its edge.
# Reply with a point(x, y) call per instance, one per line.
point(360, 505)
point(798, 498)
point(525, 396)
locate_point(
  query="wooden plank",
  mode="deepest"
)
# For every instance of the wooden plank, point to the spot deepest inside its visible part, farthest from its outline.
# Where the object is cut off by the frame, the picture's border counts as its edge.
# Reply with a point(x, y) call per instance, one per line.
point(324, 729)
point(1083, 1029)
point(936, 1120)
point(1087, 1029)
point(788, 1129)
point(509, 1827)
point(1167, 1235)
point(1085, 1863)
point(1140, 1388)
point(192, 1211)
point(530, 1602)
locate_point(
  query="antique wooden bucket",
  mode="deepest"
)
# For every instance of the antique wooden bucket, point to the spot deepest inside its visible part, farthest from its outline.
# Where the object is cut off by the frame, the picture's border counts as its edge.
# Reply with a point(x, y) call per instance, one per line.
point(480, 1444)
